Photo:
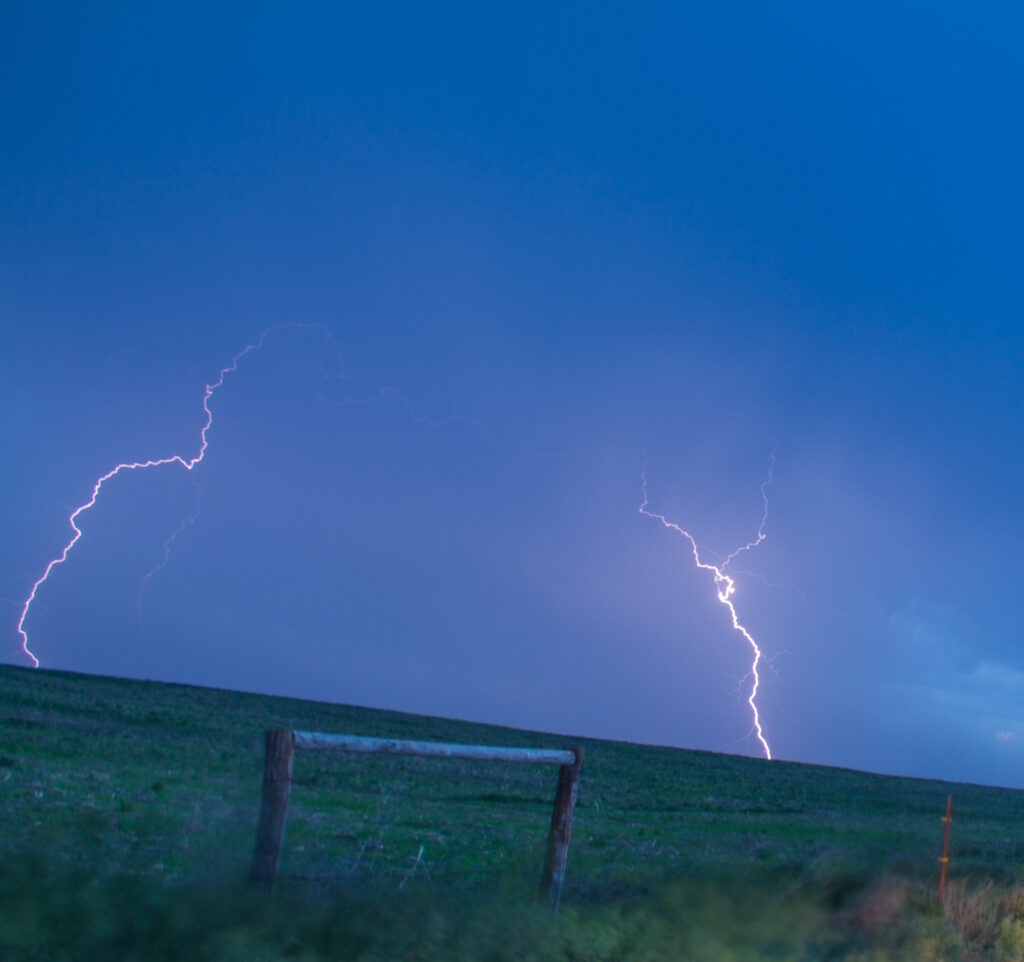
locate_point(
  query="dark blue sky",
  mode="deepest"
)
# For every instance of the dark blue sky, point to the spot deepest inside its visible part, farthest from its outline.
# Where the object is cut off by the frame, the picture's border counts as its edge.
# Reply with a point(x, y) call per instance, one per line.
point(571, 242)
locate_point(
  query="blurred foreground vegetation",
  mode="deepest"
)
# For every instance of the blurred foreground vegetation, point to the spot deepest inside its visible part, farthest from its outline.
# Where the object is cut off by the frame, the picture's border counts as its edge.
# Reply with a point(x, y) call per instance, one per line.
point(129, 808)
point(62, 914)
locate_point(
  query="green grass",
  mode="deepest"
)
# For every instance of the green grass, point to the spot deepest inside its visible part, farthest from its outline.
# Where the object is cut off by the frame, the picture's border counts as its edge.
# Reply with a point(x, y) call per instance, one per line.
point(129, 808)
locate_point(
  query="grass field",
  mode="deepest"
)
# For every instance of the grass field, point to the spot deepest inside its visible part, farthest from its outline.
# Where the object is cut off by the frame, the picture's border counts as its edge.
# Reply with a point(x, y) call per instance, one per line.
point(129, 809)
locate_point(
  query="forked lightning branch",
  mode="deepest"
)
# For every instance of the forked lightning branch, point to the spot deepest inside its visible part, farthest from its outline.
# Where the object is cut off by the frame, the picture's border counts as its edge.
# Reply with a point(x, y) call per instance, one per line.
point(725, 588)
point(187, 463)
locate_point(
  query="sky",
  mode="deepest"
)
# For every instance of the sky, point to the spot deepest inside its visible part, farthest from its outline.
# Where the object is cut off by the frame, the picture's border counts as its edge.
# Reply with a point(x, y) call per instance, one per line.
point(509, 259)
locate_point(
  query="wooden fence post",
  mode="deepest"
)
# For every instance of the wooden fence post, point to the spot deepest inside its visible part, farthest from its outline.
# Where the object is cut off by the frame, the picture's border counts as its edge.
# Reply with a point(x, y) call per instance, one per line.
point(557, 855)
point(277, 788)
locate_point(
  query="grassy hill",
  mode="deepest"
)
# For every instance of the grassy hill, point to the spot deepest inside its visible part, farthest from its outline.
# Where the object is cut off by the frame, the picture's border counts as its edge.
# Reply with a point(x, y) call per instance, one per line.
point(110, 782)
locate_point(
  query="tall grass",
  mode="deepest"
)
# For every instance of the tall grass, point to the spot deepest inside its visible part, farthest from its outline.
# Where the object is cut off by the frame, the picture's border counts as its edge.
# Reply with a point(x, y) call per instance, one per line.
point(988, 917)
point(72, 915)
point(67, 914)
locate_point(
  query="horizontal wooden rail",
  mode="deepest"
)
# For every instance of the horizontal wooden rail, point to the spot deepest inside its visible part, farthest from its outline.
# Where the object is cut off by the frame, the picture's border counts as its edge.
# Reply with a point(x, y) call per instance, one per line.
point(319, 741)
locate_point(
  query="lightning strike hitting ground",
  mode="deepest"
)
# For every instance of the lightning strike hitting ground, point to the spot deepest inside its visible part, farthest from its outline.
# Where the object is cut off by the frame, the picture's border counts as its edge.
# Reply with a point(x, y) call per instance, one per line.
point(725, 587)
point(187, 463)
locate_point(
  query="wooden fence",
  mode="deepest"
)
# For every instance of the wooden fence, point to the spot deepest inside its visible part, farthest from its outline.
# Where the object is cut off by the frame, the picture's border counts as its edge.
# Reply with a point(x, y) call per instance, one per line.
point(277, 780)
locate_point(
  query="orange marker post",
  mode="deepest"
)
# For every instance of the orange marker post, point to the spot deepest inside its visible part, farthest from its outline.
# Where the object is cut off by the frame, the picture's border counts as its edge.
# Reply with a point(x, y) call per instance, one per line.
point(944, 857)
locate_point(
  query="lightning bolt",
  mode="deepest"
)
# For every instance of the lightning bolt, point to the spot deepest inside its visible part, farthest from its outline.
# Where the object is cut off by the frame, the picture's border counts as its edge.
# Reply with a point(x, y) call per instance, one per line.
point(187, 463)
point(725, 588)
point(188, 519)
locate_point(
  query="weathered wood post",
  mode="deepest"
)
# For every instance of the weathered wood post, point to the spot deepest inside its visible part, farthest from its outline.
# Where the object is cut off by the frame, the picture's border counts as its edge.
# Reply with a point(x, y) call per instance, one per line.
point(557, 856)
point(277, 789)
